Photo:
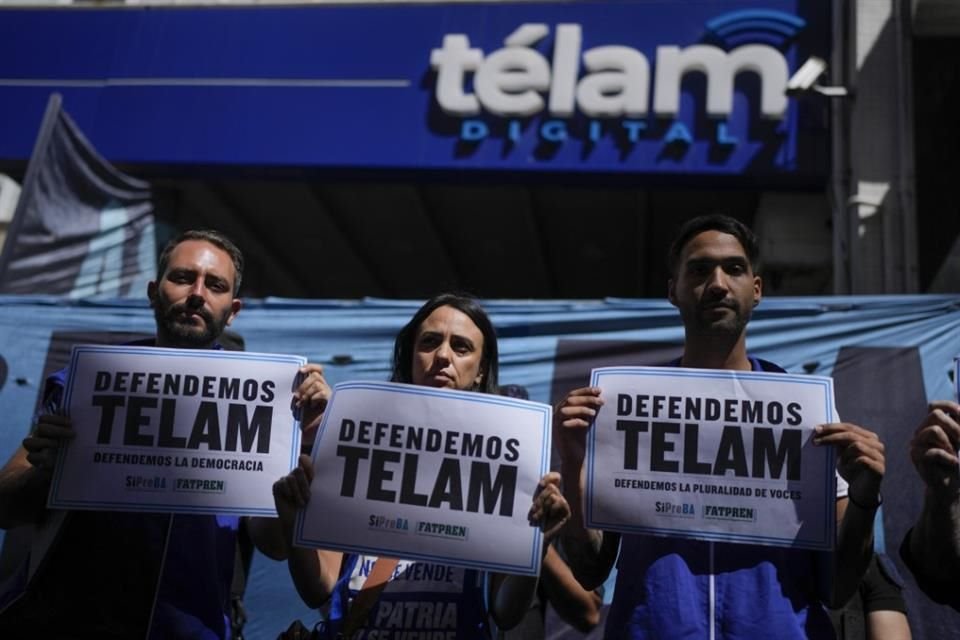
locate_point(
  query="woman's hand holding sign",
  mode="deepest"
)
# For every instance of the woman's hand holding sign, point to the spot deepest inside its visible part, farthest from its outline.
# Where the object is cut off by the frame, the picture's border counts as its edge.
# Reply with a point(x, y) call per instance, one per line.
point(273, 536)
point(550, 510)
point(292, 492)
point(314, 571)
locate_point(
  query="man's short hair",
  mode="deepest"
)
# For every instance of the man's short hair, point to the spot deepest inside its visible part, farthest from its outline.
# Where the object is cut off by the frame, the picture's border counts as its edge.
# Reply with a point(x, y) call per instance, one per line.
point(714, 222)
point(215, 238)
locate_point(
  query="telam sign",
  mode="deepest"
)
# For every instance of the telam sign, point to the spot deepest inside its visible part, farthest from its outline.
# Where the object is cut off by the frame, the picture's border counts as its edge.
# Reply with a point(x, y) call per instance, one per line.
point(518, 81)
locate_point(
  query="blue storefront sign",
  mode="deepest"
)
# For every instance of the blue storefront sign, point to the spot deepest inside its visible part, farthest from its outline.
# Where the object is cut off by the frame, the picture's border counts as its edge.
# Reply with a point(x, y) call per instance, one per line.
point(641, 87)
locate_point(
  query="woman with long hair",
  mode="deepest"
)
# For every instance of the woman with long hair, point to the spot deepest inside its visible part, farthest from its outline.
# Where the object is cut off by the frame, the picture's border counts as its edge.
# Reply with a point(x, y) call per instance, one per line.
point(449, 343)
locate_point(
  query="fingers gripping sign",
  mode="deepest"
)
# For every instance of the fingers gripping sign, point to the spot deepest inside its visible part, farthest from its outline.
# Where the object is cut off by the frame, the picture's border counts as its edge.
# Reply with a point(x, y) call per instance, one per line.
point(550, 510)
point(572, 417)
point(860, 459)
point(43, 444)
point(292, 491)
point(933, 449)
point(312, 395)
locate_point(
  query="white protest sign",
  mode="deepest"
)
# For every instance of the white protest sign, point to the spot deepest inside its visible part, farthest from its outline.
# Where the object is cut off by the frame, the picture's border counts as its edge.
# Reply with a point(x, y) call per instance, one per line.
point(428, 474)
point(177, 430)
point(712, 455)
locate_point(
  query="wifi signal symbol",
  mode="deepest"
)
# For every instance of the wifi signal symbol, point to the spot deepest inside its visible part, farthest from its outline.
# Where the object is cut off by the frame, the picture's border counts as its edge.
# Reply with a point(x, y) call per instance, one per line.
point(752, 26)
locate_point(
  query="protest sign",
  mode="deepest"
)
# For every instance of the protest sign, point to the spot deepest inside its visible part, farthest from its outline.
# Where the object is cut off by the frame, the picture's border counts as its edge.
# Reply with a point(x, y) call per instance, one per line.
point(712, 455)
point(177, 430)
point(430, 474)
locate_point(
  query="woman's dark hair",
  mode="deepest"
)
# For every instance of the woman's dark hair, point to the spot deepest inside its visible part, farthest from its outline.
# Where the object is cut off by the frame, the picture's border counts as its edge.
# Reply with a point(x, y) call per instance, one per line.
point(468, 305)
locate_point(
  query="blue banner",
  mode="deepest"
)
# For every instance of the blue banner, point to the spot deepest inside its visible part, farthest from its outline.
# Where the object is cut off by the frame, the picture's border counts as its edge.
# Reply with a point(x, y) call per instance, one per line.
point(888, 357)
point(692, 87)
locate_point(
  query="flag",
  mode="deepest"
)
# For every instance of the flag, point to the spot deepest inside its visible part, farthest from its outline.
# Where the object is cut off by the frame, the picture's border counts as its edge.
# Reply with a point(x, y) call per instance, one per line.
point(81, 228)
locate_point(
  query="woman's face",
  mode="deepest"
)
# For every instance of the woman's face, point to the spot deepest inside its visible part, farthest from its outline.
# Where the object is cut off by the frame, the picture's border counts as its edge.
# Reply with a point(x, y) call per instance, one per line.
point(448, 351)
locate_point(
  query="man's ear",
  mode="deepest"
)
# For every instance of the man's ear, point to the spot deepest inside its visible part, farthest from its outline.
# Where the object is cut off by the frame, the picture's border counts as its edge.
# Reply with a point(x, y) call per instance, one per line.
point(235, 307)
point(671, 292)
point(152, 293)
point(757, 290)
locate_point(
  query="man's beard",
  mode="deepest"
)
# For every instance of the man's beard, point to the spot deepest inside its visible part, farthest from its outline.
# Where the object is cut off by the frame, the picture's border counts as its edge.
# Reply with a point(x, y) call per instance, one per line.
point(184, 335)
point(731, 324)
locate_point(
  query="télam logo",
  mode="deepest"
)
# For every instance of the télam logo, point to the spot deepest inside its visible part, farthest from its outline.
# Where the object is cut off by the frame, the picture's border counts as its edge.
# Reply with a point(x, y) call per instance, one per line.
point(613, 86)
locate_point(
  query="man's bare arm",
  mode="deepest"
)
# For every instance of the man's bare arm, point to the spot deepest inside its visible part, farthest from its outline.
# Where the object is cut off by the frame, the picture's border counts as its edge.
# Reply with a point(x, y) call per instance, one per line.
point(861, 462)
point(591, 556)
point(578, 607)
point(589, 553)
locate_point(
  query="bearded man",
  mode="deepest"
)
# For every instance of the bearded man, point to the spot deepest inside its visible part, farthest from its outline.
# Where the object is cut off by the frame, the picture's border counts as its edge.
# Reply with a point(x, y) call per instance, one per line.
point(137, 575)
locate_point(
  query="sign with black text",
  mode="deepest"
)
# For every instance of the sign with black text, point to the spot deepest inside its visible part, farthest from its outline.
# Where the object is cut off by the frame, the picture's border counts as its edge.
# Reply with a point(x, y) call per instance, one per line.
point(430, 474)
point(712, 455)
point(177, 430)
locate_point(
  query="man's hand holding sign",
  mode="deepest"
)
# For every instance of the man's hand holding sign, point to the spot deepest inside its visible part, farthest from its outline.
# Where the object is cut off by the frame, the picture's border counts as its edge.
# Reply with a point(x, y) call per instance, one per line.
point(42, 445)
point(860, 460)
point(311, 398)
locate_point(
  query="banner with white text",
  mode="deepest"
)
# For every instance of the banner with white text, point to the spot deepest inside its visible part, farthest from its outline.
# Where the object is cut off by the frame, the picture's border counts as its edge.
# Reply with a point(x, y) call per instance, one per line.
point(712, 455)
point(430, 474)
point(177, 430)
